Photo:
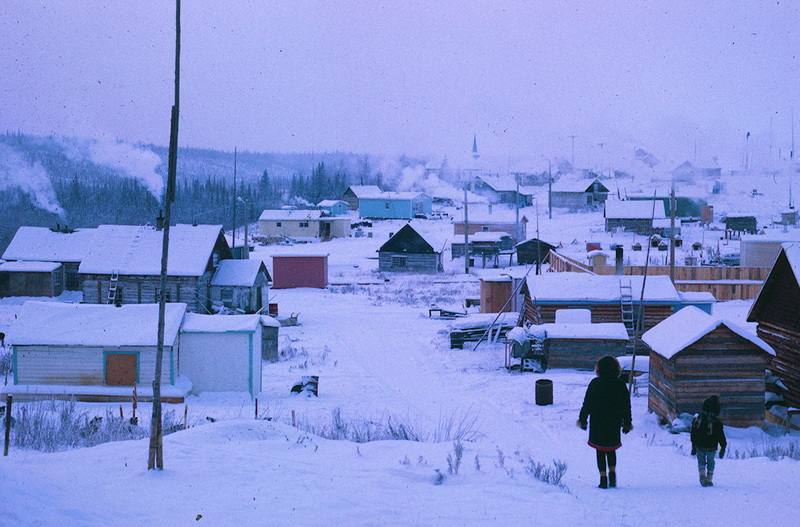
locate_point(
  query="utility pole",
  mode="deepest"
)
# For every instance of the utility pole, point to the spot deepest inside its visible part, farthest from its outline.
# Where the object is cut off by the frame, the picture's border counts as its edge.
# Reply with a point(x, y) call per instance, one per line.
point(672, 233)
point(233, 245)
point(155, 458)
point(747, 151)
point(466, 232)
point(573, 149)
point(516, 228)
point(550, 189)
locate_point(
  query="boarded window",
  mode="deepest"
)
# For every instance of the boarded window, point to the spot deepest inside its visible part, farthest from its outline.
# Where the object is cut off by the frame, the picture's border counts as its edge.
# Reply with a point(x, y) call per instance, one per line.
point(399, 261)
point(121, 369)
point(226, 294)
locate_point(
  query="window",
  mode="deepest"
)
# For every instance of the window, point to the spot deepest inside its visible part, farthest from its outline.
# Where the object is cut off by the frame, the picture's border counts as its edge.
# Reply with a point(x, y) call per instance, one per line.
point(226, 294)
point(277, 224)
point(303, 224)
point(215, 258)
point(57, 277)
point(399, 262)
point(386, 205)
point(485, 228)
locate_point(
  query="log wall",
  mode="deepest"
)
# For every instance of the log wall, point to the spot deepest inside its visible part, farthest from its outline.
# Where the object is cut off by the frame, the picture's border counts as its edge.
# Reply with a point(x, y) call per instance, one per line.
point(582, 354)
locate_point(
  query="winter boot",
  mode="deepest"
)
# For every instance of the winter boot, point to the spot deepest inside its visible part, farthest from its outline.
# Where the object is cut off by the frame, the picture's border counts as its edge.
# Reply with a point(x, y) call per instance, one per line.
point(709, 477)
point(703, 477)
point(612, 479)
point(603, 482)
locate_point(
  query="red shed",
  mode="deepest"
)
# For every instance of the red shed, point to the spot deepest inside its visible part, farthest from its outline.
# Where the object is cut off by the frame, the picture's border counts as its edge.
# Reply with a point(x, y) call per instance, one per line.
point(299, 270)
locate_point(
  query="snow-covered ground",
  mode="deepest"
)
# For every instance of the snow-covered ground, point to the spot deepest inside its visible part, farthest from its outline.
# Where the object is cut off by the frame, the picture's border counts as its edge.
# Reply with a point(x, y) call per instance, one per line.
point(379, 356)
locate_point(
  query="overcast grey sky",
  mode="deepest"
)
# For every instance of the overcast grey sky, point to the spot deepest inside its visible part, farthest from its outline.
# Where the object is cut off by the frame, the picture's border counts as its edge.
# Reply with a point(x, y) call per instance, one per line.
point(410, 77)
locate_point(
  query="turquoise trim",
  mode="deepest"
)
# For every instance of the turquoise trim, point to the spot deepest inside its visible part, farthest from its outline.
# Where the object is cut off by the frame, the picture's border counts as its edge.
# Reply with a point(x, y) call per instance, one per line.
point(218, 332)
point(14, 358)
point(250, 379)
point(138, 362)
point(171, 367)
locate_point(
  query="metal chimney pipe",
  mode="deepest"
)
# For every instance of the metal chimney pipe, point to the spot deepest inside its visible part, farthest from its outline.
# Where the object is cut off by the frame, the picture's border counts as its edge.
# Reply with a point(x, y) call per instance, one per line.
point(618, 268)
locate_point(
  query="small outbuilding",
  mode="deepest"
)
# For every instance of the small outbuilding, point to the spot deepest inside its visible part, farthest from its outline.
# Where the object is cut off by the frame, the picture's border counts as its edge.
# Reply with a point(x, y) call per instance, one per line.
point(578, 344)
point(633, 215)
point(408, 250)
point(299, 270)
point(695, 355)
point(94, 352)
point(27, 278)
point(241, 284)
point(334, 207)
point(223, 353)
point(533, 251)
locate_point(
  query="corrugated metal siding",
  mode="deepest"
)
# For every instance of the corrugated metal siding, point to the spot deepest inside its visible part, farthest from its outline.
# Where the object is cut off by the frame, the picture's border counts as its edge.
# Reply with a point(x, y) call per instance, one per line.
point(81, 366)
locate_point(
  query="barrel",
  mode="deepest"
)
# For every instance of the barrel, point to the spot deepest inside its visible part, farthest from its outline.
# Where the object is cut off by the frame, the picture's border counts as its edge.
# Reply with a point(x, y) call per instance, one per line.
point(544, 392)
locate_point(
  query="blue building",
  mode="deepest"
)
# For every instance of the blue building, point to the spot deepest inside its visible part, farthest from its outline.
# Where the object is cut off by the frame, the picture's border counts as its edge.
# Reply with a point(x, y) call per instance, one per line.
point(395, 205)
point(334, 207)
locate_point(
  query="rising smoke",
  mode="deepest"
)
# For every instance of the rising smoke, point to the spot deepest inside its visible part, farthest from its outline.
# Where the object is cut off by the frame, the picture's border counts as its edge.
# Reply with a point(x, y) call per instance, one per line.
point(32, 178)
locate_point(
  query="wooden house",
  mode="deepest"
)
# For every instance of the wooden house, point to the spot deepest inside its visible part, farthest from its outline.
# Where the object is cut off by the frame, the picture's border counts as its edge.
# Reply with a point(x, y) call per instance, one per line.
point(241, 284)
point(502, 189)
point(578, 194)
point(94, 352)
point(124, 265)
point(578, 343)
point(491, 219)
point(356, 192)
point(533, 251)
point(633, 215)
point(777, 312)
point(395, 205)
point(302, 224)
point(694, 355)
point(741, 223)
point(28, 278)
point(606, 297)
point(63, 245)
point(334, 207)
point(299, 270)
point(224, 353)
point(409, 251)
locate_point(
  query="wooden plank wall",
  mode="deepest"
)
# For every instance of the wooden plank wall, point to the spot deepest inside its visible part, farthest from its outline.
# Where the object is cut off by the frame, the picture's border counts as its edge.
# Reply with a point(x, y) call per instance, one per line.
point(415, 263)
point(582, 354)
point(142, 290)
point(786, 363)
point(721, 363)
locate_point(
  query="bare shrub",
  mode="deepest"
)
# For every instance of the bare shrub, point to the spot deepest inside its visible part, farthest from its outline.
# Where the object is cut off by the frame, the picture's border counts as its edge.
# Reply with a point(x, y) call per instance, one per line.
point(454, 459)
point(546, 474)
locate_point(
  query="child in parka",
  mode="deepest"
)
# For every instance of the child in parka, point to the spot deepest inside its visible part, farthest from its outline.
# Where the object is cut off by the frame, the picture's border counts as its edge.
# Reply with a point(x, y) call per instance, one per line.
point(708, 432)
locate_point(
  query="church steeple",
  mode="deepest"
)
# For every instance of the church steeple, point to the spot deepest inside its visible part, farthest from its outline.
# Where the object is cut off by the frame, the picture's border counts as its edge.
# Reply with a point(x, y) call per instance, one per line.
point(475, 153)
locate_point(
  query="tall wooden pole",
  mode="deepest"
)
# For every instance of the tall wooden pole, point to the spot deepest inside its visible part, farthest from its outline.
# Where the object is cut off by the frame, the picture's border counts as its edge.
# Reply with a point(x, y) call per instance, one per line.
point(466, 231)
point(155, 458)
point(233, 245)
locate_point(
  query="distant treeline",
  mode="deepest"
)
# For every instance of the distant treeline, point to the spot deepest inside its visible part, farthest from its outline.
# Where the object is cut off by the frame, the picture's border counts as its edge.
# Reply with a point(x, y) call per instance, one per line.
point(92, 194)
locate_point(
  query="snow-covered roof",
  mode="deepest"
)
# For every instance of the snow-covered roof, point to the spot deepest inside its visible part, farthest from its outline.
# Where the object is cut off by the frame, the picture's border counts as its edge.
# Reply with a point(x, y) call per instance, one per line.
point(29, 267)
point(396, 196)
point(500, 214)
point(488, 236)
point(330, 202)
point(196, 323)
point(772, 236)
point(697, 297)
point(232, 273)
point(573, 316)
point(572, 185)
point(288, 215)
point(665, 223)
point(363, 191)
point(506, 184)
point(689, 325)
point(570, 287)
point(42, 244)
point(792, 252)
point(60, 324)
point(634, 209)
point(132, 250)
point(602, 331)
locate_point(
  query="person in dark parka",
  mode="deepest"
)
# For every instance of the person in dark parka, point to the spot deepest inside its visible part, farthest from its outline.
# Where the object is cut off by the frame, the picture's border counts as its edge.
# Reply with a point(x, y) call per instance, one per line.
point(708, 433)
point(607, 410)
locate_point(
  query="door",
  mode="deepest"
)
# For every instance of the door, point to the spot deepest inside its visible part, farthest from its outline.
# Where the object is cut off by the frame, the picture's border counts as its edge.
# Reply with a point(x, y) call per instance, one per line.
point(121, 369)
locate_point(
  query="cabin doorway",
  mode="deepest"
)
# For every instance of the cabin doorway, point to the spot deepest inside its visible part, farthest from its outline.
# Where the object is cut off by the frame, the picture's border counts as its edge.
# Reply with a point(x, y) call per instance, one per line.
point(121, 369)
